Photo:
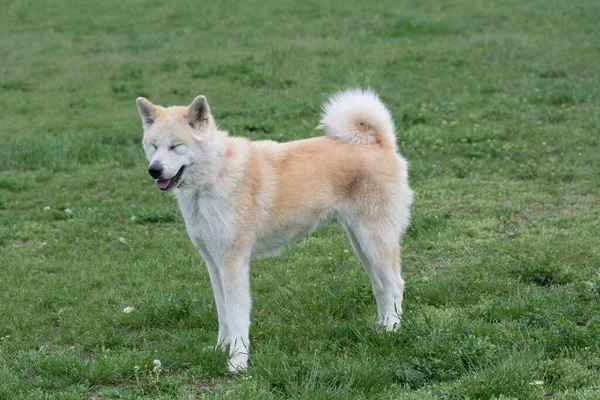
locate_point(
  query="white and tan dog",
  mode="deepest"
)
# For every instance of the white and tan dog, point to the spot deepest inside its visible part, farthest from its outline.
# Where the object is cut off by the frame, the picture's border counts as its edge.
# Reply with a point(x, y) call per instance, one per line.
point(242, 200)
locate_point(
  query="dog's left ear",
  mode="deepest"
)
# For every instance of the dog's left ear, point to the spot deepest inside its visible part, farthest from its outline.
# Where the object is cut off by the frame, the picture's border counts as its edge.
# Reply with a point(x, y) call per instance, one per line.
point(147, 111)
point(198, 112)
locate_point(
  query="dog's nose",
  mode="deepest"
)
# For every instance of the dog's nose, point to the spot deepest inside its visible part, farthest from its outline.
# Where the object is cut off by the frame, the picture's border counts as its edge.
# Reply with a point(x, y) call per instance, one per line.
point(155, 170)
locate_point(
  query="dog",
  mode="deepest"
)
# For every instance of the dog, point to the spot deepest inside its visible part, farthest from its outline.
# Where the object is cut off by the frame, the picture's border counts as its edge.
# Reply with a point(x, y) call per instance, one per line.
point(243, 199)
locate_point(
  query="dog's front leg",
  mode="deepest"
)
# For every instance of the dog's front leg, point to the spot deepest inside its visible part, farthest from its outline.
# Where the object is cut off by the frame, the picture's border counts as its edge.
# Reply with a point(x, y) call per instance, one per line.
point(216, 282)
point(236, 290)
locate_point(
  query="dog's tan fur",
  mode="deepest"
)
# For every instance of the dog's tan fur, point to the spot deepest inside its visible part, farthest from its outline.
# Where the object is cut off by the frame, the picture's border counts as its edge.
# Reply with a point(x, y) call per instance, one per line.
point(243, 199)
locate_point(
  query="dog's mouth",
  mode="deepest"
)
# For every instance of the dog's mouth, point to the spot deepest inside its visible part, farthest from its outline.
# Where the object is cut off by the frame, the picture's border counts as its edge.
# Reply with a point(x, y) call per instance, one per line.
point(168, 184)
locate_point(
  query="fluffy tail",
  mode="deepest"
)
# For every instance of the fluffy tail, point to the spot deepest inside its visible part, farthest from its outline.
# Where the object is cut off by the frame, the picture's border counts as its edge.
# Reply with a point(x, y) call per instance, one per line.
point(358, 116)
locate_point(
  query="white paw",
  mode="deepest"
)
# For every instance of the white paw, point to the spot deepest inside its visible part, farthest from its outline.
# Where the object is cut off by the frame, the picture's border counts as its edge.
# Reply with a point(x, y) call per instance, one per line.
point(390, 327)
point(391, 323)
point(237, 363)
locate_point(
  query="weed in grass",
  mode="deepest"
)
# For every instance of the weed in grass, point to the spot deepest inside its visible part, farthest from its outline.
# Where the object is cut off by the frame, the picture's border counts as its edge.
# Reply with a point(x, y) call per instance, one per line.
point(544, 270)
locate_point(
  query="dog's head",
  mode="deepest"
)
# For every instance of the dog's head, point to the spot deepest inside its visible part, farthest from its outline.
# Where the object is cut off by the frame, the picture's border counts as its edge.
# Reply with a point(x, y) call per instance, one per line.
point(175, 139)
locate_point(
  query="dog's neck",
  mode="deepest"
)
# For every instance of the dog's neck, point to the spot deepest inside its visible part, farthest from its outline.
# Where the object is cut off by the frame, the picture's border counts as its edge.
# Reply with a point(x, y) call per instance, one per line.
point(217, 176)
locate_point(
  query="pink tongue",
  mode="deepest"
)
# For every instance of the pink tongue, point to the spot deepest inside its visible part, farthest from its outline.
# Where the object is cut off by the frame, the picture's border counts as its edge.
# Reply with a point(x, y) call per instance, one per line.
point(163, 183)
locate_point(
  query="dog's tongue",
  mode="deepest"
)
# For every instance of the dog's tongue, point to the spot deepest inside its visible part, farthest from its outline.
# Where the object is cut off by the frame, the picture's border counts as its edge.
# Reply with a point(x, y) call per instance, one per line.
point(163, 183)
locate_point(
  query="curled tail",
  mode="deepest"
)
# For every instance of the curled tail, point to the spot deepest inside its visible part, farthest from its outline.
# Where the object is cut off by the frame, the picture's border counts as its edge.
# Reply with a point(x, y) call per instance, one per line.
point(358, 116)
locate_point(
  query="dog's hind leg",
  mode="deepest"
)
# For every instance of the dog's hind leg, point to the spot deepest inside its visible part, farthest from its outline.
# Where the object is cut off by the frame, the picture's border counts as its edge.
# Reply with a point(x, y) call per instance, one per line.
point(375, 280)
point(377, 246)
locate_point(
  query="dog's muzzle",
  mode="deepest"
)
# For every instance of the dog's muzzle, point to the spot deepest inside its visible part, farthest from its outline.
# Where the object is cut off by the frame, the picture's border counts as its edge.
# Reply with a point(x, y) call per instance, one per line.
point(156, 172)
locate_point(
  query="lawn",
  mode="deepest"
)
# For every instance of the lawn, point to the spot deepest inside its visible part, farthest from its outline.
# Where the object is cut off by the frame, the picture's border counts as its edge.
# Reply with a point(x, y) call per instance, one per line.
point(497, 107)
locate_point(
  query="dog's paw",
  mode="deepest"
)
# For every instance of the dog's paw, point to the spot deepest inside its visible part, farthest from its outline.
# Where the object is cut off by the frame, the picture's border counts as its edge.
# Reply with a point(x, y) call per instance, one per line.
point(391, 327)
point(238, 363)
point(390, 324)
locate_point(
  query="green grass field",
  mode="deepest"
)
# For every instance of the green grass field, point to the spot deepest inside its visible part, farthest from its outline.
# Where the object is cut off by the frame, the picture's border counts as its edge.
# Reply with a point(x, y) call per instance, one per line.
point(498, 112)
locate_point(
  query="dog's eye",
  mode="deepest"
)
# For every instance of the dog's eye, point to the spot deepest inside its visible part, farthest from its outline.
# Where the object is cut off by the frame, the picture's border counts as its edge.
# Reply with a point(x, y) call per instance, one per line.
point(153, 146)
point(174, 146)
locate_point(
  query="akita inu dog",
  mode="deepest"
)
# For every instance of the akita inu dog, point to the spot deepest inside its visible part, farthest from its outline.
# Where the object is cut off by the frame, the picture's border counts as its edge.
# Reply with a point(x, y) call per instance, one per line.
point(242, 199)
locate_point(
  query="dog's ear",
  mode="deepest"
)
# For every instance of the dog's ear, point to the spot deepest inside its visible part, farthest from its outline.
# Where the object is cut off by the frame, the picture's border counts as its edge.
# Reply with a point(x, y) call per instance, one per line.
point(147, 111)
point(198, 112)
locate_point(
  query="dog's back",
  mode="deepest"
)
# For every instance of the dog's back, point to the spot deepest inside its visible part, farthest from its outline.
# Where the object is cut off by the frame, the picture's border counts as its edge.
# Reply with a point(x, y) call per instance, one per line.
point(353, 170)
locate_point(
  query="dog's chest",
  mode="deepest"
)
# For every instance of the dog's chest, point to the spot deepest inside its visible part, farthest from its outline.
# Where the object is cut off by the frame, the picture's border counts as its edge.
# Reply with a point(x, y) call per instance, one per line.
point(210, 224)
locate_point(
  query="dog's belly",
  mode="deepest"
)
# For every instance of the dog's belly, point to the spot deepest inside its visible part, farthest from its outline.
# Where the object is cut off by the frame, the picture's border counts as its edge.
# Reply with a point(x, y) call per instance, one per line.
point(272, 243)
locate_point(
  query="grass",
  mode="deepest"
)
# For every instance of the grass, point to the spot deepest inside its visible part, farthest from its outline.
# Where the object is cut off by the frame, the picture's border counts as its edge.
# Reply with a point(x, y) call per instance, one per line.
point(497, 107)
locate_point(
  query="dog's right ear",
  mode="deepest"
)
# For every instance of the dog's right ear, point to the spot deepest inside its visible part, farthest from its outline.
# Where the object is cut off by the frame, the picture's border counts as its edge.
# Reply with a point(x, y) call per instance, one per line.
point(147, 111)
point(198, 112)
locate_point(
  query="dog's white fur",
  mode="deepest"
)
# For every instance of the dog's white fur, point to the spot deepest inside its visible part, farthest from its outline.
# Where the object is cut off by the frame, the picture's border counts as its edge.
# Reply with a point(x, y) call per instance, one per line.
point(242, 200)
